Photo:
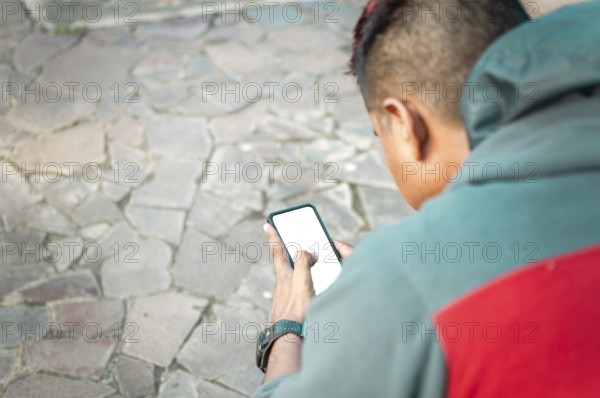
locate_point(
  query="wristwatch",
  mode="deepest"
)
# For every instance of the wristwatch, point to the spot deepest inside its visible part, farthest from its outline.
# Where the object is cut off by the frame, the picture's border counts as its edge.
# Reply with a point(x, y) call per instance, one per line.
point(272, 333)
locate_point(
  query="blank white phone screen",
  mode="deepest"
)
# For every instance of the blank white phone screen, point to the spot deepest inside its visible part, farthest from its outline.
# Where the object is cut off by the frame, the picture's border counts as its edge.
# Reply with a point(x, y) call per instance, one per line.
point(300, 229)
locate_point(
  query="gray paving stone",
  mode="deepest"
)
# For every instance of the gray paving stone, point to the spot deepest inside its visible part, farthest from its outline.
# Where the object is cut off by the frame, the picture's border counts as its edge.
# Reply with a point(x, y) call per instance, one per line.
point(358, 134)
point(141, 267)
point(226, 56)
point(317, 62)
point(163, 322)
point(38, 47)
point(201, 65)
point(95, 209)
point(207, 266)
point(272, 128)
point(115, 192)
point(160, 223)
point(231, 169)
point(177, 28)
point(7, 361)
point(226, 345)
point(16, 194)
point(113, 243)
point(209, 98)
point(67, 193)
point(305, 39)
point(11, 138)
point(64, 252)
point(92, 60)
point(94, 232)
point(19, 322)
point(45, 116)
point(367, 169)
point(127, 130)
point(22, 246)
point(47, 218)
point(71, 357)
point(160, 67)
point(106, 314)
point(13, 220)
point(383, 206)
point(350, 109)
point(215, 215)
point(192, 139)
point(300, 99)
point(165, 96)
point(258, 285)
point(135, 377)
point(82, 144)
point(173, 185)
point(237, 126)
point(47, 386)
point(14, 277)
point(130, 166)
point(324, 150)
point(246, 381)
point(183, 385)
point(68, 285)
point(247, 32)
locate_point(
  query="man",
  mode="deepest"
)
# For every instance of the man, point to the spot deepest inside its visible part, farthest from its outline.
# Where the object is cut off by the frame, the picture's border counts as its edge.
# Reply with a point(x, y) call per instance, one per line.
point(490, 290)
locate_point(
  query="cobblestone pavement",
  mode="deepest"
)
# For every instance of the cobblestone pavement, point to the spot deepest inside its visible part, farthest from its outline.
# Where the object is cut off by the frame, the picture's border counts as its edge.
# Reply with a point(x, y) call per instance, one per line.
point(138, 164)
point(142, 270)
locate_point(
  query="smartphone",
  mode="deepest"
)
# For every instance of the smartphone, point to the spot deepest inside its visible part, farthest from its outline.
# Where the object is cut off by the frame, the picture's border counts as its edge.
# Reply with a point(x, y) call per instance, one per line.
point(301, 228)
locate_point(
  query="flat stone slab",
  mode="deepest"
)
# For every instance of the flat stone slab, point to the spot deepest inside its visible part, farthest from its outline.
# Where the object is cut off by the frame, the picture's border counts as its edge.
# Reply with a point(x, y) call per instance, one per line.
point(162, 322)
point(83, 357)
point(161, 223)
point(48, 219)
point(182, 384)
point(141, 267)
point(38, 47)
point(80, 145)
point(192, 141)
point(214, 214)
point(47, 386)
point(46, 116)
point(7, 361)
point(14, 277)
point(16, 193)
point(225, 345)
point(90, 316)
point(135, 377)
point(69, 285)
point(173, 185)
point(208, 267)
point(19, 322)
point(95, 209)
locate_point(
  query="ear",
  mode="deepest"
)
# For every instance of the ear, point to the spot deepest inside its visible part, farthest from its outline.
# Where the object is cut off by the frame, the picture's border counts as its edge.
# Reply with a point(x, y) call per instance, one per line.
point(407, 122)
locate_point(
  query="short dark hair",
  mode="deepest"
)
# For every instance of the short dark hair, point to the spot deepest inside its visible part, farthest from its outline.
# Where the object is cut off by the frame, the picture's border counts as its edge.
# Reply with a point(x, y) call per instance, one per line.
point(426, 43)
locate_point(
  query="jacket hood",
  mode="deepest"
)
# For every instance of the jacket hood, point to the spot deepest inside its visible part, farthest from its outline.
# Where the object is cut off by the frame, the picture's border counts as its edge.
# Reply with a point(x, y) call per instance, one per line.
point(532, 102)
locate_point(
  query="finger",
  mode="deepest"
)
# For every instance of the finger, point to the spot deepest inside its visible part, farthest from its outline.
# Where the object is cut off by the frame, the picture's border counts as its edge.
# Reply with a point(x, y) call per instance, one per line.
point(302, 279)
point(345, 249)
point(279, 255)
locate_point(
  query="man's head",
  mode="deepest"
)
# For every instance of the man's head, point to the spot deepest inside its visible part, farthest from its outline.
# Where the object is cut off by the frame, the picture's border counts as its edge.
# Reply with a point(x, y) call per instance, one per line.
point(411, 59)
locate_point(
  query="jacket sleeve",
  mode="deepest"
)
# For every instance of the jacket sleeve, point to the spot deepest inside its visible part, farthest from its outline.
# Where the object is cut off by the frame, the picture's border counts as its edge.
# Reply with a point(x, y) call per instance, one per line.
point(368, 336)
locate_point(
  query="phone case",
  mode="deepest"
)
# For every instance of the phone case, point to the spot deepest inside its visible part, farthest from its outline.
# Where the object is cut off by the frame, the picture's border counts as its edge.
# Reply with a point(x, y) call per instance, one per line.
point(270, 220)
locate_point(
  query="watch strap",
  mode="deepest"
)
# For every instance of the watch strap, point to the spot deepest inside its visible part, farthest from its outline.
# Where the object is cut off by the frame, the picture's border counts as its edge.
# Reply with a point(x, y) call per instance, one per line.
point(268, 336)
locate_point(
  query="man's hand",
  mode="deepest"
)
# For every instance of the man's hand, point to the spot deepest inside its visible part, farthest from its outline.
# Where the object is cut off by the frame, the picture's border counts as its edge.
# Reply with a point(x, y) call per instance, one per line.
point(293, 286)
point(343, 248)
point(291, 295)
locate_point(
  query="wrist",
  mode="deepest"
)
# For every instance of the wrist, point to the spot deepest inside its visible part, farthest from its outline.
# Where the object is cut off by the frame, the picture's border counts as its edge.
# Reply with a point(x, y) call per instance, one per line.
point(292, 314)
